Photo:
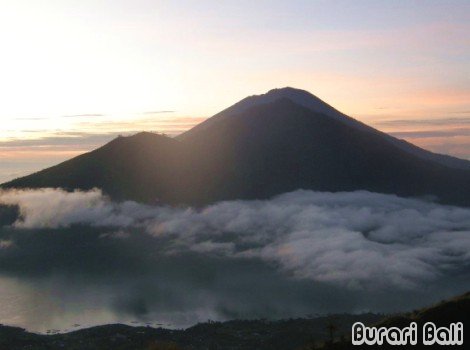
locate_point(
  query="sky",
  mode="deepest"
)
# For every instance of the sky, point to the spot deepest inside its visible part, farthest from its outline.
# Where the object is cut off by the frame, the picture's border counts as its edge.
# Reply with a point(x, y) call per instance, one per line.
point(74, 74)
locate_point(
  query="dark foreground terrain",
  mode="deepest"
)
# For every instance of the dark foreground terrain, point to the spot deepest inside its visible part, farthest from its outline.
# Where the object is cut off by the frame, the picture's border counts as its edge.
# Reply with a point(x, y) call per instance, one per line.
point(255, 334)
point(441, 314)
point(329, 332)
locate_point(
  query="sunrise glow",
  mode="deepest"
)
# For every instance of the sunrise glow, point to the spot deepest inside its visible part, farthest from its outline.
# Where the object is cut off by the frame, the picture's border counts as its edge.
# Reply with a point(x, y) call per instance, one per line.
point(99, 68)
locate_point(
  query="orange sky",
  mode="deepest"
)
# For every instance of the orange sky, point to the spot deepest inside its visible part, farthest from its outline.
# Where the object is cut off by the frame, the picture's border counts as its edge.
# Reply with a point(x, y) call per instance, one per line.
point(76, 73)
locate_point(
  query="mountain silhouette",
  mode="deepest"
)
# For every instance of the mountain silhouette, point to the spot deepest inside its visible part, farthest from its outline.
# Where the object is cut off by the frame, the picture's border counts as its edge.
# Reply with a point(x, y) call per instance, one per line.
point(262, 146)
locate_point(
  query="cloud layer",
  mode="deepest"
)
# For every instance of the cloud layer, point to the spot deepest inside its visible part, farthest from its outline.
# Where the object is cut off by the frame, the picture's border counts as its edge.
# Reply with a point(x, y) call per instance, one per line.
point(358, 240)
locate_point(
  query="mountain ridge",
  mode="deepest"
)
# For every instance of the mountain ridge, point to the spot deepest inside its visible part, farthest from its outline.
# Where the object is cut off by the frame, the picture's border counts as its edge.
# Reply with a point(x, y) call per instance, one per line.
point(308, 100)
point(255, 153)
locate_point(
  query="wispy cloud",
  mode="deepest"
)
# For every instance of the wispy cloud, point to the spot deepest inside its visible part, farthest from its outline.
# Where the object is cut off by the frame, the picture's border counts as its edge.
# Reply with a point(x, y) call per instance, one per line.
point(424, 122)
point(452, 132)
point(158, 112)
point(447, 135)
point(31, 118)
point(90, 115)
point(61, 139)
point(355, 240)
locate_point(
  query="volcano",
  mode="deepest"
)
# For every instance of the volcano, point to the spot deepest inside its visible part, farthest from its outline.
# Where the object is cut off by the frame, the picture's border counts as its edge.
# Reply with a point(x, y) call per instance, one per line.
point(264, 145)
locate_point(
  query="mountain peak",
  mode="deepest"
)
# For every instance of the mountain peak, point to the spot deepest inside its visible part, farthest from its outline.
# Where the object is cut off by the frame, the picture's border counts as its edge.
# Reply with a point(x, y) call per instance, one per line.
point(142, 136)
point(288, 91)
point(141, 139)
point(298, 96)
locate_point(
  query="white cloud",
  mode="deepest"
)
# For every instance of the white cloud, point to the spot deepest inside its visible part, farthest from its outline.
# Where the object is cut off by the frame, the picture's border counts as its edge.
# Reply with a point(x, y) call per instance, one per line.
point(5, 244)
point(355, 239)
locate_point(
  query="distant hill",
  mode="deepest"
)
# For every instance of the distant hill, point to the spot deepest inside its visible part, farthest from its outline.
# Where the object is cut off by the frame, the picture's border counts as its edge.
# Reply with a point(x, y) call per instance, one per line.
point(237, 334)
point(140, 167)
point(262, 146)
point(292, 334)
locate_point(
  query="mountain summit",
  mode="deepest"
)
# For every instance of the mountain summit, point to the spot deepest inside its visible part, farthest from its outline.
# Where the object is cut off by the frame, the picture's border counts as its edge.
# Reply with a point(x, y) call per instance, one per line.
point(306, 99)
point(300, 97)
point(264, 145)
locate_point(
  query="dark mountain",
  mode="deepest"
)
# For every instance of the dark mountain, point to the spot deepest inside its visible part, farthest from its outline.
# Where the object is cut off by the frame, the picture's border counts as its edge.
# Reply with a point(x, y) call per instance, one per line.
point(306, 99)
point(262, 146)
point(126, 167)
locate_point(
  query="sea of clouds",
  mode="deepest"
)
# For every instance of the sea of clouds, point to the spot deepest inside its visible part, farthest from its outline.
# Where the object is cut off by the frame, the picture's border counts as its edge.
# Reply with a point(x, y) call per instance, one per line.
point(354, 240)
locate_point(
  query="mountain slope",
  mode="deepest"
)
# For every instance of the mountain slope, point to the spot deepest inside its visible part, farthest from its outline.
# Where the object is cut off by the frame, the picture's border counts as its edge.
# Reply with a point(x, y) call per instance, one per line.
point(262, 146)
point(307, 100)
point(139, 167)
point(281, 146)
